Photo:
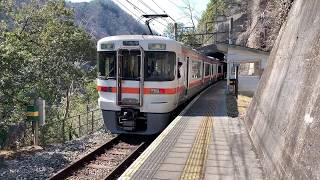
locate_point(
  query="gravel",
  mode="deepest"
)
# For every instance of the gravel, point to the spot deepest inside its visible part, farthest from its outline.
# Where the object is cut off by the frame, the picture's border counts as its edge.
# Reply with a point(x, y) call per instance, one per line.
point(43, 163)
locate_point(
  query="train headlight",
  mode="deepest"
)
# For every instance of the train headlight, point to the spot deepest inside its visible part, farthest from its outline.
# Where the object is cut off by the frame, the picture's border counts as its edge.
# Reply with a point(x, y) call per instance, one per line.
point(107, 46)
point(157, 46)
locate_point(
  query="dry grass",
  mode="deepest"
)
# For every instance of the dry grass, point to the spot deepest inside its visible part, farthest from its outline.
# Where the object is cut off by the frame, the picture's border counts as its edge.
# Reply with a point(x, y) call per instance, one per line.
point(6, 154)
point(237, 107)
point(243, 104)
point(11, 154)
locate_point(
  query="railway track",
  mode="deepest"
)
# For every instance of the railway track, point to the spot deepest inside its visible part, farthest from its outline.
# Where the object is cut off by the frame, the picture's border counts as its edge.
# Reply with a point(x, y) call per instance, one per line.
point(107, 161)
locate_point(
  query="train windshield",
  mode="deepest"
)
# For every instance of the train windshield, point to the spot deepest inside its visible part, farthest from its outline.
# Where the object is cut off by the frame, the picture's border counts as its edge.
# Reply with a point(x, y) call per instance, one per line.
point(107, 64)
point(159, 66)
point(130, 64)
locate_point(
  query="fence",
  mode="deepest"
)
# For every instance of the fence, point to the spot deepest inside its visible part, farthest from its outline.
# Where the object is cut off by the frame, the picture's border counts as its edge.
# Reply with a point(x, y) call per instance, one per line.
point(62, 130)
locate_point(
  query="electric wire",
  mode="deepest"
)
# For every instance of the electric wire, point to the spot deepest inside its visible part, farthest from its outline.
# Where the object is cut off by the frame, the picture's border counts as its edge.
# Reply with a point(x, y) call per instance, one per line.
point(137, 8)
point(128, 10)
point(158, 6)
point(147, 6)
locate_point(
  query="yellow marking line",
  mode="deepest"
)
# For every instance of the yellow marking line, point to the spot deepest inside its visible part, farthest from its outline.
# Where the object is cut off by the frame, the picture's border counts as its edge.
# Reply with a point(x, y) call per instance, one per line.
point(195, 166)
point(134, 167)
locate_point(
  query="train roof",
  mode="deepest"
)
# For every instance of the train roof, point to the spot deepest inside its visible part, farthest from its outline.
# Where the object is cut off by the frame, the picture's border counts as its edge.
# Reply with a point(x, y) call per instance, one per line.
point(175, 45)
point(136, 37)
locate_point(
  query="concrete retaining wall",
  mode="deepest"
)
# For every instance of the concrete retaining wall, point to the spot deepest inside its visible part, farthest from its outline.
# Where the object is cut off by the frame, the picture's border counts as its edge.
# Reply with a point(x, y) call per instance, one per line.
point(284, 116)
point(248, 84)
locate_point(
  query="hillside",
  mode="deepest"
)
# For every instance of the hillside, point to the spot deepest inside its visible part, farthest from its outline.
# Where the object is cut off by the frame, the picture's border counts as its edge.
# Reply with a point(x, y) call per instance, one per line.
point(103, 18)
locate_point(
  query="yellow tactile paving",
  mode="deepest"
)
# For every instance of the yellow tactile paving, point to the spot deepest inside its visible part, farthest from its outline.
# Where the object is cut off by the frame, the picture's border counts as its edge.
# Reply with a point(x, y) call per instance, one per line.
point(142, 158)
point(195, 166)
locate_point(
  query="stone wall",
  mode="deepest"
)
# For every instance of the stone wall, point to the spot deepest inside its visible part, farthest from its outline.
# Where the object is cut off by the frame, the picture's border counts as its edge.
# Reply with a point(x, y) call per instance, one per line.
point(264, 20)
point(284, 116)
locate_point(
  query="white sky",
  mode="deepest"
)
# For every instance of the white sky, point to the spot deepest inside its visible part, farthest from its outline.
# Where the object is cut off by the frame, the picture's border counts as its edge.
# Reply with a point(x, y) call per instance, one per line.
point(174, 8)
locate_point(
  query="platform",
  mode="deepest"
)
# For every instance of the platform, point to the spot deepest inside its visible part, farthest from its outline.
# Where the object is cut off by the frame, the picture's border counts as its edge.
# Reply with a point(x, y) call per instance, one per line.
point(201, 143)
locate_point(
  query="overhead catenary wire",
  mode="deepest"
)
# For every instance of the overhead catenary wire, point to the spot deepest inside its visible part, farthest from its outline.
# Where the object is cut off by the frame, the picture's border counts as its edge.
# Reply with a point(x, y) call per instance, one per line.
point(137, 8)
point(147, 6)
point(159, 6)
point(128, 10)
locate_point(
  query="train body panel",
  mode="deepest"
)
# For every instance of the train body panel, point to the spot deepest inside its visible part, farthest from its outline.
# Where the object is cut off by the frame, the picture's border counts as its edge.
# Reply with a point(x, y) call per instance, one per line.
point(156, 103)
point(143, 78)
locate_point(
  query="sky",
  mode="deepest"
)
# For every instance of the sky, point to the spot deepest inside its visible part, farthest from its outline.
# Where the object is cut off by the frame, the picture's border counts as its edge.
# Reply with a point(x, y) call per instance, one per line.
point(174, 8)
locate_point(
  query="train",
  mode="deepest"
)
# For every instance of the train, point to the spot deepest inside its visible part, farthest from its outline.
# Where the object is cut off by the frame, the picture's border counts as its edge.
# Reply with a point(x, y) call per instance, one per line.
point(142, 79)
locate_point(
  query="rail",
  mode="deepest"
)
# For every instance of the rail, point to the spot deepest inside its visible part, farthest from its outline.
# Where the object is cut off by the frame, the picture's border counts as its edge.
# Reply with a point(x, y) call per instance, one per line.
point(107, 161)
point(64, 173)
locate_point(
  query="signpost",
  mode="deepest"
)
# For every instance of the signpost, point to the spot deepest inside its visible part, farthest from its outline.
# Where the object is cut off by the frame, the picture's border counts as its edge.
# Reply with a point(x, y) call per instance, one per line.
point(36, 114)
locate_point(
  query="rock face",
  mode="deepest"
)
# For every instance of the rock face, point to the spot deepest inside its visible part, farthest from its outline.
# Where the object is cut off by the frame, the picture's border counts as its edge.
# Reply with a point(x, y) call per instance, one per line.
point(284, 116)
point(236, 9)
point(256, 23)
point(103, 18)
point(265, 18)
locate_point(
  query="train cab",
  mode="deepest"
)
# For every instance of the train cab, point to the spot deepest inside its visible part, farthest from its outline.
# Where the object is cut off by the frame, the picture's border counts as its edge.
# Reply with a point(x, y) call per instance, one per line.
point(137, 82)
point(143, 78)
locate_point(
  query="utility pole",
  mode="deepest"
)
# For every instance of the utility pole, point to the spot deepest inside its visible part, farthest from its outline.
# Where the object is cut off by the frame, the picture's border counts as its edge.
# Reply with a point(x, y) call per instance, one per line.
point(175, 30)
point(230, 30)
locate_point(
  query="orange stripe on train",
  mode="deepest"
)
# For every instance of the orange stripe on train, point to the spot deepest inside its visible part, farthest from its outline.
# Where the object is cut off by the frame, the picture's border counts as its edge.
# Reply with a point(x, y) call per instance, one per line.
point(133, 90)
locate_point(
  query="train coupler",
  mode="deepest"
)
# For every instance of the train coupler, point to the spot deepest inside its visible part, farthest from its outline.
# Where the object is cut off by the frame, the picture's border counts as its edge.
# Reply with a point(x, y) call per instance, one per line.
point(127, 119)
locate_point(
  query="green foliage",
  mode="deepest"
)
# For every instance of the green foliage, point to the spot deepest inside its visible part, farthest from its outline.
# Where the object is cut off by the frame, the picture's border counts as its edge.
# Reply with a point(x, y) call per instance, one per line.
point(42, 51)
point(169, 30)
point(184, 35)
point(214, 8)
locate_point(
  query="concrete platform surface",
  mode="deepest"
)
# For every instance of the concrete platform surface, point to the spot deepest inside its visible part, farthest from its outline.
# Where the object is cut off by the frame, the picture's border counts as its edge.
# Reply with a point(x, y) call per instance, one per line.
point(201, 143)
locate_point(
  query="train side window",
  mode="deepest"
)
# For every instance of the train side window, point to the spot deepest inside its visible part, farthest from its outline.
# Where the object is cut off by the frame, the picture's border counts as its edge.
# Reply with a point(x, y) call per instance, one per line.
point(159, 66)
point(179, 69)
point(196, 69)
point(207, 69)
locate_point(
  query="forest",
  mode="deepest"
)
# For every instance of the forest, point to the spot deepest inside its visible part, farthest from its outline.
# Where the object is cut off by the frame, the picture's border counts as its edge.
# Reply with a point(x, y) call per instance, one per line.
point(47, 50)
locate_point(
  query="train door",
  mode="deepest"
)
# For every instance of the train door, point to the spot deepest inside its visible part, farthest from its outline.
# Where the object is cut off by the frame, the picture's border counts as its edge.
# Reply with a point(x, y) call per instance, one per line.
point(130, 72)
point(186, 77)
point(181, 77)
point(203, 72)
point(210, 69)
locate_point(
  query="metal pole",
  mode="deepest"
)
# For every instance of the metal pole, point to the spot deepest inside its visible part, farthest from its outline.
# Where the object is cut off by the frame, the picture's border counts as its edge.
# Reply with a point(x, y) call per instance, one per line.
point(42, 111)
point(92, 121)
point(175, 31)
point(230, 31)
point(63, 130)
point(236, 83)
point(228, 75)
point(33, 115)
point(87, 118)
point(35, 127)
point(79, 120)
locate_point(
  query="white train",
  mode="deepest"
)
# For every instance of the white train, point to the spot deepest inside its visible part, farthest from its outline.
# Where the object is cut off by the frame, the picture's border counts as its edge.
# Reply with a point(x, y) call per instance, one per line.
point(142, 79)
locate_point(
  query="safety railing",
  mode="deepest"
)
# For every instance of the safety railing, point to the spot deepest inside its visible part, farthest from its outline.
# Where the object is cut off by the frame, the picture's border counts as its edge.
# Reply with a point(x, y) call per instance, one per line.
point(63, 130)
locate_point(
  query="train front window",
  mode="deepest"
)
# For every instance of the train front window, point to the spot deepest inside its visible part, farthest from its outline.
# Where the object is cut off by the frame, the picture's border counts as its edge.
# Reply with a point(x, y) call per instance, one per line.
point(130, 64)
point(107, 64)
point(159, 66)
